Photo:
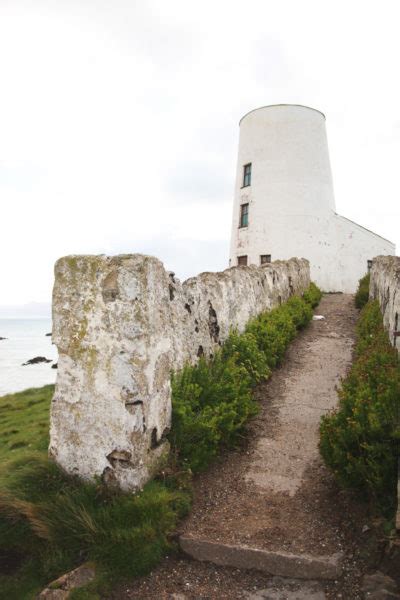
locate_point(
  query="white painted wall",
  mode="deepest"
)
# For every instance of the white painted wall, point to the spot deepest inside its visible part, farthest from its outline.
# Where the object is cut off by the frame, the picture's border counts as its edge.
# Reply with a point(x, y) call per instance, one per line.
point(291, 200)
point(356, 245)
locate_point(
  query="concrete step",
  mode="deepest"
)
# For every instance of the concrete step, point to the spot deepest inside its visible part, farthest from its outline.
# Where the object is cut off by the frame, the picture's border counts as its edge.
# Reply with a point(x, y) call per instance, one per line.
point(284, 564)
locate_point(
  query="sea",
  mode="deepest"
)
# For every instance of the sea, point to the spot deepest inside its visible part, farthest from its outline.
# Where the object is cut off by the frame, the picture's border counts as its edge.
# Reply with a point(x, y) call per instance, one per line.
point(26, 338)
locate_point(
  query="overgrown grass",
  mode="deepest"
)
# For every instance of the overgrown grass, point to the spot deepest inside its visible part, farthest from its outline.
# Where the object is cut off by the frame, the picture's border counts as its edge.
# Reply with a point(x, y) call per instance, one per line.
point(360, 440)
point(57, 522)
point(51, 522)
point(213, 400)
point(362, 294)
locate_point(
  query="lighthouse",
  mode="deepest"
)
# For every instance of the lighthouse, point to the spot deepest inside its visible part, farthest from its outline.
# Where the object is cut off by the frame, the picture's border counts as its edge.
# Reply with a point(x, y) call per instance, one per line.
point(284, 204)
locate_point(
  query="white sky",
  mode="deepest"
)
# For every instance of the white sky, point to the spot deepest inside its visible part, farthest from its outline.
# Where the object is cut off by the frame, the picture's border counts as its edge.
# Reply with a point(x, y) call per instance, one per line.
point(119, 121)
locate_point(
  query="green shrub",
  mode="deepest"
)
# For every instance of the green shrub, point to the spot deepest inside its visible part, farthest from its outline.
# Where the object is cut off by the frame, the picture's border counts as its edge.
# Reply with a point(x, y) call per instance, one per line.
point(362, 294)
point(369, 329)
point(212, 401)
point(313, 295)
point(359, 441)
point(210, 404)
point(299, 310)
point(245, 349)
point(273, 331)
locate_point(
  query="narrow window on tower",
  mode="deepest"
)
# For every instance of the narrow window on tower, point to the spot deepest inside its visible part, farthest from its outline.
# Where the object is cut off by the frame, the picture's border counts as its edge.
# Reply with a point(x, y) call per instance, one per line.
point(265, 258)
point(244, 215)
point(247, 175)
point(242, 261)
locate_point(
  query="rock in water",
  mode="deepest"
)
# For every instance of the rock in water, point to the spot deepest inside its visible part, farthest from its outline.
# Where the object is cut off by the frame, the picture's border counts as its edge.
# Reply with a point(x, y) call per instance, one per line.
point(1, 338)
point(36, 360)
point(47, 334)
point(55, 366)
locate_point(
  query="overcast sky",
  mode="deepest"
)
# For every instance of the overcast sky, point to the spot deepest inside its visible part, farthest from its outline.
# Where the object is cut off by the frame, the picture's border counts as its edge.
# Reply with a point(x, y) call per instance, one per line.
point(119, 122)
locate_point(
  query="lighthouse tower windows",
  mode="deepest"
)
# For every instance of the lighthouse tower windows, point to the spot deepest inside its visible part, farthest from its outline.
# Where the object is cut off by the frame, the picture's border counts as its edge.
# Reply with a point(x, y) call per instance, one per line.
point(247, 175)
point(244, 215)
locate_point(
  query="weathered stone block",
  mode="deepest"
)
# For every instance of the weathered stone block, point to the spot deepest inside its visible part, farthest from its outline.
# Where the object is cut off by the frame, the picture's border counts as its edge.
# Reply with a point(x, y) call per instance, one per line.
point(61, 588)
point(121, 325)
point(385, 287)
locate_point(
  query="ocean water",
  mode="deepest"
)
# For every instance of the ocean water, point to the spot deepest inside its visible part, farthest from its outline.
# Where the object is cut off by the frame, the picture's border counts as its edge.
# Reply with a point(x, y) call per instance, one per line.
point(26, 339)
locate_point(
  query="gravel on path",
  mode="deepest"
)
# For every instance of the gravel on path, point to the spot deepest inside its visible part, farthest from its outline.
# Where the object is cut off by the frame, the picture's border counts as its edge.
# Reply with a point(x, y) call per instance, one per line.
point(274, 491)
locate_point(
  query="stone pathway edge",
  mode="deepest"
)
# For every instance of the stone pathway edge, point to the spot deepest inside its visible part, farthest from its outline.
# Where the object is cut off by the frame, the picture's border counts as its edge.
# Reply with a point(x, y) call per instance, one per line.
point(274, 563)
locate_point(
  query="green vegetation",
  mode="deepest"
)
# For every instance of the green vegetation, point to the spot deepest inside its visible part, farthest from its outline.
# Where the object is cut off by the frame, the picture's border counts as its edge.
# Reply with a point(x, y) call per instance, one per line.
point(362, 294)
point(51, 522)
point(24, 422)
point(360, 440)
point(313, 295)
point(212, 401)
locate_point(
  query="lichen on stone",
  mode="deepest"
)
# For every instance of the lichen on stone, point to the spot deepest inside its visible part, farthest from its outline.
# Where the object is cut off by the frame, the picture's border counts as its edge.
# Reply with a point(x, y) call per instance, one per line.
point(120, 347)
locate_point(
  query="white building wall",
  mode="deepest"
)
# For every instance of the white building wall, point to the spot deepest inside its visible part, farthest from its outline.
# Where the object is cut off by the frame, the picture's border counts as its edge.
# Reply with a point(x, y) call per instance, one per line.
point(291, 200)
point(356, 246)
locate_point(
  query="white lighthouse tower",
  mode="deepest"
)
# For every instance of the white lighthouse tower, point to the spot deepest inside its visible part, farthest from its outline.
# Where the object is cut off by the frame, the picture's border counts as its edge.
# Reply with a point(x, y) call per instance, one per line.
point(284, 204)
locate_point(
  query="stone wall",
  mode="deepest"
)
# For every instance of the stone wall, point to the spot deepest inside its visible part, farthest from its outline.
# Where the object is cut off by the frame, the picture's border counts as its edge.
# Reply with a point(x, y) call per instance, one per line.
point(385, 287)
point(121, 325)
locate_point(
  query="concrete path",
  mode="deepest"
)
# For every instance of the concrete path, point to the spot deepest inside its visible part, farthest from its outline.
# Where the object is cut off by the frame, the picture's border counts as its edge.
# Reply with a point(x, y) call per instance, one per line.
point(276, 497)
point(306, 390)
point(268, 521)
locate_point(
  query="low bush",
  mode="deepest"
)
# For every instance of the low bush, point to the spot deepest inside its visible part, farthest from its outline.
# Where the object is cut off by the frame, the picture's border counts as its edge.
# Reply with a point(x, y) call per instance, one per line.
point(362, 294)
point(360, 440)
point(213, 400)
point(246, 350)
point(210, 404)
point(313, 295)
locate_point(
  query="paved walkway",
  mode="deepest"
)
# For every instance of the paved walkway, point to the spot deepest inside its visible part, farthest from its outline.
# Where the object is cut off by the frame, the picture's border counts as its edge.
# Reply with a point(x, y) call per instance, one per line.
point(273, 506)
point(277, 494)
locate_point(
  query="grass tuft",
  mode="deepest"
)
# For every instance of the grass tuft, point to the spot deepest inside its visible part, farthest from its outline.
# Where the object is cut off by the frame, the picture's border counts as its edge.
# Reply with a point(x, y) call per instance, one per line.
point(51, 522)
